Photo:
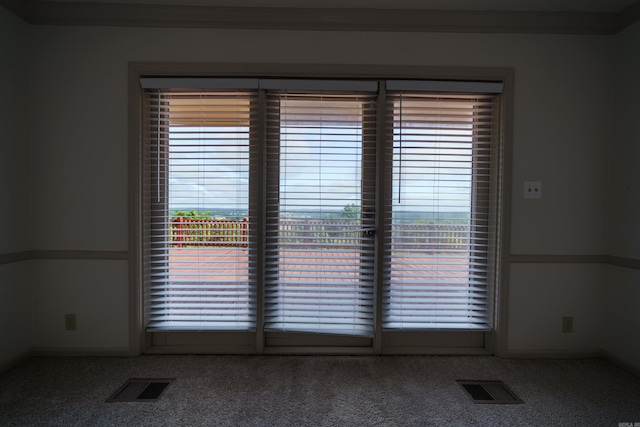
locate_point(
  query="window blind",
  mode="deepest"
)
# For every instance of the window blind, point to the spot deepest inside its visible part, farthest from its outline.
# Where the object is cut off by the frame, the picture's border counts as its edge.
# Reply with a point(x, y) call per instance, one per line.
point(198, 222)
point(439, 166)
point(293, 164)
point(319, 213)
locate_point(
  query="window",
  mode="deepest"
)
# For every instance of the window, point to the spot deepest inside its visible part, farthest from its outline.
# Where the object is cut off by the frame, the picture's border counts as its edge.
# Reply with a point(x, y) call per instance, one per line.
point(198, 157)
point(437, 255)
point(323, 209)
point(319, 275)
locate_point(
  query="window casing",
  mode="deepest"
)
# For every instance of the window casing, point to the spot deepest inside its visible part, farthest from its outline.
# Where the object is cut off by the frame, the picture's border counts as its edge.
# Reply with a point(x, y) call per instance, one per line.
point(403, 276)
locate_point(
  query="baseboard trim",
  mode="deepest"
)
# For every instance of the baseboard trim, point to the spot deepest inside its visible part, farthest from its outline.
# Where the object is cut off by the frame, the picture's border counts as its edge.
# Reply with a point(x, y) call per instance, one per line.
point(81, 351)
point(65, 352)
point(200, 350)
point(319, 351)
point(427, 351)
point(16, 360)
point(125, 352)
point(589, 353)
point(622, 363)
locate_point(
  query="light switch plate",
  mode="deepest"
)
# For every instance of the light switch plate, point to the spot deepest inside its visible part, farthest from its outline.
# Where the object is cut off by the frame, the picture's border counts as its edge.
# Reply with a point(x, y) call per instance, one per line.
point(533, 190)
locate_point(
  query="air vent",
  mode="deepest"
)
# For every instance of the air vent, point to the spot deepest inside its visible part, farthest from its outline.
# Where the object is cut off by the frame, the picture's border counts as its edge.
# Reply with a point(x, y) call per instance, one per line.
point(489, 392)
point(141, 390)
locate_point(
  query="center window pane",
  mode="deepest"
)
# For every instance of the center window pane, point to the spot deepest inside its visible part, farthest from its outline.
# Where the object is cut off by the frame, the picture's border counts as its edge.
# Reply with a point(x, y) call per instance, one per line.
point(316, 247)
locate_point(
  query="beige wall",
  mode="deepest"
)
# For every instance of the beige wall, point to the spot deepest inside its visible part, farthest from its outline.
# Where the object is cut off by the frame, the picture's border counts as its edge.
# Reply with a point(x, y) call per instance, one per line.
point(622, 288)
point(79, 135)
point(15, 215)
point(624, 184)
point(15, 194)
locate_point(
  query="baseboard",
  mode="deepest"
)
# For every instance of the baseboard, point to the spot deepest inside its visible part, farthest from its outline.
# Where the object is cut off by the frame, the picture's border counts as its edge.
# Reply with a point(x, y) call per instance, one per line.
point(436, 351)
point(518, 354)
point(81, 351)
point(181, 350)
point(65, 352)
point(14, 361)
point(589, 353)
point(622, 363)
point(576, 354)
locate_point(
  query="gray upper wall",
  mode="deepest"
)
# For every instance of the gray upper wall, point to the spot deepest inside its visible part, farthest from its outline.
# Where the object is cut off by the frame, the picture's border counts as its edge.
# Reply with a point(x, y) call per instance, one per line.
point(15, 152)
point(623, 234)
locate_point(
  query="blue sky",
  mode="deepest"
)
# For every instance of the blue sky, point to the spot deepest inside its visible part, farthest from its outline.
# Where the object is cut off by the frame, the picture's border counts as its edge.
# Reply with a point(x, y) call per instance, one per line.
point(209, 168)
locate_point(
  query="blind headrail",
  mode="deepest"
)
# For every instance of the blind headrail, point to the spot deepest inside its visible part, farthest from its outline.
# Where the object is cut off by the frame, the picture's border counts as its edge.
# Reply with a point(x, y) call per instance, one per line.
point(445, 86)
point(256, 83)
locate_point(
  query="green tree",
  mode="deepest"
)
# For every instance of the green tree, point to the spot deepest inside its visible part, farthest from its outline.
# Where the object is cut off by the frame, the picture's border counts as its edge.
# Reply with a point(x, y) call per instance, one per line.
point(351, 211)
point(192, 214)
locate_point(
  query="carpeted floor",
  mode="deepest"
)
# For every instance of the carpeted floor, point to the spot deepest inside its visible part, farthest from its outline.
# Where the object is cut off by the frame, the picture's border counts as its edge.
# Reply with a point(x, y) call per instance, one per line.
point(317, 391)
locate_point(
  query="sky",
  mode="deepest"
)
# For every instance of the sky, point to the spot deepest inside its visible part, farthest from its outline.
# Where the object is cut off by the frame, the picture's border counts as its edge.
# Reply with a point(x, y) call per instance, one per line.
point(319, 166)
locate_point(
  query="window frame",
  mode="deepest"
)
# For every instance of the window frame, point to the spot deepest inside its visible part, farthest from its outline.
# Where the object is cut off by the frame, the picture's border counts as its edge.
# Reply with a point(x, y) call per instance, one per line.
point(383, 343)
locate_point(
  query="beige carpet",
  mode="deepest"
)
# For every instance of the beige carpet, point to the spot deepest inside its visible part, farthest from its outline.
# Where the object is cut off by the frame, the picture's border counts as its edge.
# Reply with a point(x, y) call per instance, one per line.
point(317, 391)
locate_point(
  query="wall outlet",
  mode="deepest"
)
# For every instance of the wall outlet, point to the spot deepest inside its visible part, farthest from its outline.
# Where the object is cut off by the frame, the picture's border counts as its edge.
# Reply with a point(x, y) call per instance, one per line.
point(567, 325)
point(533, 190)
point(70, 322)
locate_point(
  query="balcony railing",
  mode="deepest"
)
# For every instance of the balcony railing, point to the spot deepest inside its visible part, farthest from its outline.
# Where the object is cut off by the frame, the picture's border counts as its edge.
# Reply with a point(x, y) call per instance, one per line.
point(198, 232)
point(190, 232)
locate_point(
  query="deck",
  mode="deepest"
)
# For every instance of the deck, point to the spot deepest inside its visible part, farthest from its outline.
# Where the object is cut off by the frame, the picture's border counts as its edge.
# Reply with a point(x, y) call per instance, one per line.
point(229, 264)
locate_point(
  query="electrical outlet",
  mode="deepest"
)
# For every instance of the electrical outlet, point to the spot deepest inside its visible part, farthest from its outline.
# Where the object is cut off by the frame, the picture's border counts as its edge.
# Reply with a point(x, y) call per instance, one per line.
point(567, 325)
point(70, 322)
point(533, 190)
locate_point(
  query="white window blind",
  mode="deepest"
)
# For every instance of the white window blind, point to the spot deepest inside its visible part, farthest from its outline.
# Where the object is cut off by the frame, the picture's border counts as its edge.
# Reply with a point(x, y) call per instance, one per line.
point(440, 170)
point(320, 251)
point(198, 244)
point(294, 165)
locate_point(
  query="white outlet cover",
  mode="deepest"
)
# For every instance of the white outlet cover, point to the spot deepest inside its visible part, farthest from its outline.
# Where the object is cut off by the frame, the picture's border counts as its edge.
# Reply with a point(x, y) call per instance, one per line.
point(532, 190)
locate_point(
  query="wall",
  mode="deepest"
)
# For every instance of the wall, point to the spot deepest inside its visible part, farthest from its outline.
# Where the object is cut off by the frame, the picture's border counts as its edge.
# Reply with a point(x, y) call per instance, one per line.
point(15, 189)
point(80, 159)
point(79, 137)
point(622, 290)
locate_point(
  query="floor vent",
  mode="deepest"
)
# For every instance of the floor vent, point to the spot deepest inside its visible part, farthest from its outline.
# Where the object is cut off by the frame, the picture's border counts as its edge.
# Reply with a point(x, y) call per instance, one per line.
point(141, 390)
point(489, 392)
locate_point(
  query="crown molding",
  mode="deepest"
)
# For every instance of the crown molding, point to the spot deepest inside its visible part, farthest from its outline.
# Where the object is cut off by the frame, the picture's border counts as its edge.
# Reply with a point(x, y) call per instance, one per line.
point(16, 7)
point(629, 16)
point(264, 18)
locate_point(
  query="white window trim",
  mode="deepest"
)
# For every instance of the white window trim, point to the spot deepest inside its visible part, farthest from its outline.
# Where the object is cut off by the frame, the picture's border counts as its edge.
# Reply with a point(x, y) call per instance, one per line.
point(494, 342)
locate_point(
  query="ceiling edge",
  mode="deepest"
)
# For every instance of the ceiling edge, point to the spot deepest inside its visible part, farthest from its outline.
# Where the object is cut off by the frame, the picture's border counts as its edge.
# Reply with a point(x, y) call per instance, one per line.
point(392, 20)
point(16, 7)
point(629, 16)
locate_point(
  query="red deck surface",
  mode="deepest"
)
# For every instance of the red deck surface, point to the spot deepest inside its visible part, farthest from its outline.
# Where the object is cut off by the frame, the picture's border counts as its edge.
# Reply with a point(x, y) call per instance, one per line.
point(227, 264)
